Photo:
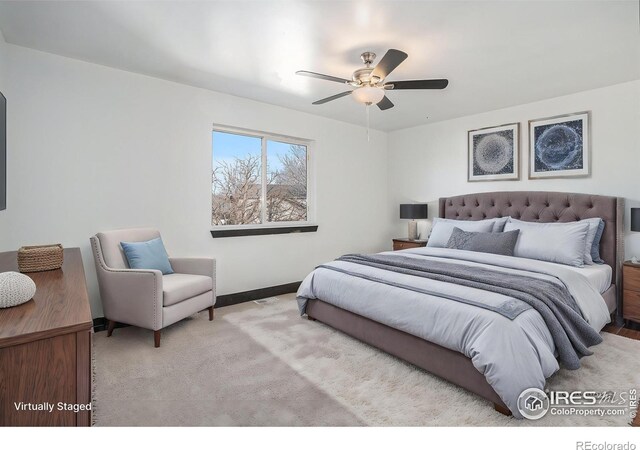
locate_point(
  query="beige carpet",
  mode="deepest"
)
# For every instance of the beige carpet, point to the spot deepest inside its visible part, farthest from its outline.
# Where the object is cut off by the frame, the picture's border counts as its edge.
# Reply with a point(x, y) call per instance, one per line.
point(264, 365)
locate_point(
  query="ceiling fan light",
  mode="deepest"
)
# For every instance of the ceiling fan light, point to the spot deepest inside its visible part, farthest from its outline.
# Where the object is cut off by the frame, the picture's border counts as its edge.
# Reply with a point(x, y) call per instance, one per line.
point(368, 94)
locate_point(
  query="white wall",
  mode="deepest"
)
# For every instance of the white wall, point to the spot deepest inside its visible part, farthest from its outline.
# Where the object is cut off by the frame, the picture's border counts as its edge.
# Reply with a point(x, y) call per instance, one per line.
point(93, 148)
point(3, 70)
point(430, 161)
point(3, 62)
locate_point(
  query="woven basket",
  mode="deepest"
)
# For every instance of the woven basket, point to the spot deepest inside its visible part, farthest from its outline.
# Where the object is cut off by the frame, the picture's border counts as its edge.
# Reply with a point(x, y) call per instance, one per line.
point(38, 258)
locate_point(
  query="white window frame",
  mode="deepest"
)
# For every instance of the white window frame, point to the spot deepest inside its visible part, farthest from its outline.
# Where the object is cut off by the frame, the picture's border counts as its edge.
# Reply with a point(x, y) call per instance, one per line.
point(311, 181)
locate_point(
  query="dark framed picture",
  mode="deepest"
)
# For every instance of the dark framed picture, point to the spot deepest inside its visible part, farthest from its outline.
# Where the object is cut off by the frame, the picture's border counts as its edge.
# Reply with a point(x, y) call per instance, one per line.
point(559, 146)
point(494, 153)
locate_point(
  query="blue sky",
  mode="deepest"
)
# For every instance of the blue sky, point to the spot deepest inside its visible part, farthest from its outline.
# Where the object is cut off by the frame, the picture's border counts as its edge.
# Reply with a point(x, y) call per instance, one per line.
point(226, 146)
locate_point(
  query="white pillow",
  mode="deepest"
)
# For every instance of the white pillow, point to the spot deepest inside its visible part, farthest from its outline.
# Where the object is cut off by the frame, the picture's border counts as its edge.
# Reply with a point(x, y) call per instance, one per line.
point(442, 229)
point(591, 234)
point(558, 242)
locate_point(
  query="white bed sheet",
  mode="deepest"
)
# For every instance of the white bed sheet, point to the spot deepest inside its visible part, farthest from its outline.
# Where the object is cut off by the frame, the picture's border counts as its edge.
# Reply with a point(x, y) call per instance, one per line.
point(598, 275)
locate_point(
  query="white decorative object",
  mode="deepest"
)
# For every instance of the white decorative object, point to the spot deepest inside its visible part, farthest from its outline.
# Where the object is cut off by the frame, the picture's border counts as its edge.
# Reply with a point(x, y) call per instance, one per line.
point(15, 289)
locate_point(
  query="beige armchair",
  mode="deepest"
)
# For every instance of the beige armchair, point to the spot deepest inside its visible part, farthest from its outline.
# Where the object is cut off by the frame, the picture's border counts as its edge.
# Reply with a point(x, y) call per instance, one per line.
point(146, 298)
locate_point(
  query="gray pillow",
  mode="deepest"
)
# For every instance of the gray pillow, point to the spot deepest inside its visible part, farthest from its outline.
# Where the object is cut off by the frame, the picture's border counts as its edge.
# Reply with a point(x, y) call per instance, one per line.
point(562, 243)
point(442, 229)
point(498, 243)
point(591, 235)
point(595, 246)
point(499, 223)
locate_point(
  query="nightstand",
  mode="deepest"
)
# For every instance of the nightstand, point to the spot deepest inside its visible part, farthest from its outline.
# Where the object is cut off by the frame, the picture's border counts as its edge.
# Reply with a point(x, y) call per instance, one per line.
point(631, 292)
point(405, 243)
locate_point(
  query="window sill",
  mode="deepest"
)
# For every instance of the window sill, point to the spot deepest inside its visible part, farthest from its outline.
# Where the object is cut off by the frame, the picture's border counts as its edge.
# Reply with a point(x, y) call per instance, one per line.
point(261, 231)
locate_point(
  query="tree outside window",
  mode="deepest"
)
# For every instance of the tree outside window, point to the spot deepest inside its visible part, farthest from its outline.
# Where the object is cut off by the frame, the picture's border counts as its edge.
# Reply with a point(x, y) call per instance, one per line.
point(258, 180)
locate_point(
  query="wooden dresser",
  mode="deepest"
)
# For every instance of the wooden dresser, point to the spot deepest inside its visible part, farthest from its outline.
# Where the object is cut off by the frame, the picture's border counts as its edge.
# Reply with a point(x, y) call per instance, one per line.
point(45, 349)
point(631, 291)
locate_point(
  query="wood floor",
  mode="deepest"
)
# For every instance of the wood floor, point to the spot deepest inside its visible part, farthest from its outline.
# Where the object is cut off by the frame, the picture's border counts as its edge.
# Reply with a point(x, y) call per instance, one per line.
point(621, 331)
point(631, 334)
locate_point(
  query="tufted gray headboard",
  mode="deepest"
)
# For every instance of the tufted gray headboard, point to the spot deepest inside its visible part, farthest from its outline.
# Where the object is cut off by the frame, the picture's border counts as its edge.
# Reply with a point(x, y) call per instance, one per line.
point(536, 206)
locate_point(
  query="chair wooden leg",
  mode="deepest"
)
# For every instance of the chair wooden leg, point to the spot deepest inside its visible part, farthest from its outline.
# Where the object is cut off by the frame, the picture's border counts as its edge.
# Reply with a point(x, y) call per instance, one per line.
point(110, 326)
point(156, 338)
point(210, 313)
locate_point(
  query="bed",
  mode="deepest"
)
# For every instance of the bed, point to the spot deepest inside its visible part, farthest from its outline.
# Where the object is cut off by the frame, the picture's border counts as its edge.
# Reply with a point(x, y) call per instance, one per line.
point(460, 363)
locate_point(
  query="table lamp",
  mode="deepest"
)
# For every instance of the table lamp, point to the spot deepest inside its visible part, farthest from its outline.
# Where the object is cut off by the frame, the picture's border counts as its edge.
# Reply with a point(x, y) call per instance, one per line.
point(413, 211)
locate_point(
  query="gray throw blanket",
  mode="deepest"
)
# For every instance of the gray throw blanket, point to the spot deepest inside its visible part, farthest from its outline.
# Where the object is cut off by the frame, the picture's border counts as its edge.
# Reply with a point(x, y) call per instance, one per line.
point(571, 334)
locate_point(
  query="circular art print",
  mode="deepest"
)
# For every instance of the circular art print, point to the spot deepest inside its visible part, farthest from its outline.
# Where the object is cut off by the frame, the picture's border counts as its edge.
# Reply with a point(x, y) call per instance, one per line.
point(493, 153)
point(558, 146)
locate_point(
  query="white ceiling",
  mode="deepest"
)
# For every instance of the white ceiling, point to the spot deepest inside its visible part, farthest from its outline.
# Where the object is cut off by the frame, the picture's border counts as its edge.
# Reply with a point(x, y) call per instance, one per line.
point(495, 54)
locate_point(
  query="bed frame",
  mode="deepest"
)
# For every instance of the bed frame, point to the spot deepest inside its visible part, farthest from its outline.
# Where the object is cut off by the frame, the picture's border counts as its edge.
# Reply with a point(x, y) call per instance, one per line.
point(524, 205)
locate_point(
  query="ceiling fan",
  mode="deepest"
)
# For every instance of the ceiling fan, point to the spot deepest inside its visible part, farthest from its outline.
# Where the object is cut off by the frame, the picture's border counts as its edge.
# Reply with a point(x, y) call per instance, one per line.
point(369, 82)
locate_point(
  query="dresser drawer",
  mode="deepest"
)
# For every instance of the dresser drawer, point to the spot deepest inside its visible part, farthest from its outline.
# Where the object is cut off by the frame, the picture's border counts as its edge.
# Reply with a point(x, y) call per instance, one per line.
point(405, 245)
point(631, 305)
point(631, 278)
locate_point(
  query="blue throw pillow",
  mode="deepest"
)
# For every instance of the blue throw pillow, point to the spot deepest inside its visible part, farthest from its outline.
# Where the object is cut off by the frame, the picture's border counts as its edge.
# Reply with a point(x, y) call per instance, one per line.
point(595, 247)
point(147, 255)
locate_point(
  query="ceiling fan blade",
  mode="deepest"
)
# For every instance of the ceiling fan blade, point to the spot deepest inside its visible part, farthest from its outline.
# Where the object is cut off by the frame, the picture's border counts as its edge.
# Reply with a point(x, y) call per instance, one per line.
point(392, 59)
point(385, 103)
point(320, 76)
point(333, 97)
point(417, 84)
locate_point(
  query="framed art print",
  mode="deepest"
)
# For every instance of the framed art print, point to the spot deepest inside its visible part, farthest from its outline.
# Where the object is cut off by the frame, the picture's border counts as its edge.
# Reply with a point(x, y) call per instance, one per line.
point(493, 153)
point(559, 146)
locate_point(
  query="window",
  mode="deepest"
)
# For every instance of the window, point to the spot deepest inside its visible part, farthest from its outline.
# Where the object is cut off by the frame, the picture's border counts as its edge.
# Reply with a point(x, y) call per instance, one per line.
point(258, 179)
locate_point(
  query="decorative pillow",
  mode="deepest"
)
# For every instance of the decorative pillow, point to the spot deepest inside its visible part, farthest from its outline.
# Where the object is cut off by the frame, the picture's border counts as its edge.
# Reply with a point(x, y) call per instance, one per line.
point(595, 246)
point(562, 243)
point(498, 243)
point(442, 229)
point(147, 255)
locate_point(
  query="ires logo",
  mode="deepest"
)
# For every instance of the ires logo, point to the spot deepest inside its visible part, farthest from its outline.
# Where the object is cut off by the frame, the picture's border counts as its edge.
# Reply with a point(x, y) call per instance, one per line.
point(535, 404)
point(588, 398)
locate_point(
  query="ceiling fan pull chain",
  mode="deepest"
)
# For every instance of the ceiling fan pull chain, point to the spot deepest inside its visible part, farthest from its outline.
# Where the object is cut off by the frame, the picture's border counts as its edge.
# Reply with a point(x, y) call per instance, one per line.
point(367, 109)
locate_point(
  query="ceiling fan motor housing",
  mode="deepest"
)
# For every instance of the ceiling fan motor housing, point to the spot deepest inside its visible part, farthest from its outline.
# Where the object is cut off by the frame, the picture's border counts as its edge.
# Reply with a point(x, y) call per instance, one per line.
point(363, 76)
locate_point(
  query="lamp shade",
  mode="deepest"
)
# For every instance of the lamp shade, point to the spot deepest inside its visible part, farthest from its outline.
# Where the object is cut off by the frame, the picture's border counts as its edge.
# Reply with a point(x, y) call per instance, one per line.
point(368, 94)
point(635, 219)
point(413, 211)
